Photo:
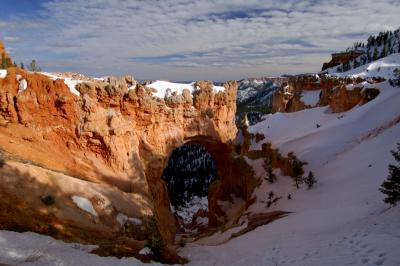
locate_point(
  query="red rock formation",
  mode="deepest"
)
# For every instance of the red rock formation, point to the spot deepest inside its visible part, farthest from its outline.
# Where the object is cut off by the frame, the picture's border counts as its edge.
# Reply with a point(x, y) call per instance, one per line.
point(333, 93)
point(111, 144)
point(340, 58)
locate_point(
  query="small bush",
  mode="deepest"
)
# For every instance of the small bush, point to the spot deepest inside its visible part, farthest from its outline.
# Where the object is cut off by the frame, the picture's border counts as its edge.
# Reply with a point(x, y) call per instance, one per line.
point(271, 177)
point(155, 241)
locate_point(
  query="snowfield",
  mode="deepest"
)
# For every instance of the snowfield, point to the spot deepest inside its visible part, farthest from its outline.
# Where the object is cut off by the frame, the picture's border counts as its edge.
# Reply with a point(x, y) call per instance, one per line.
point(166, 88)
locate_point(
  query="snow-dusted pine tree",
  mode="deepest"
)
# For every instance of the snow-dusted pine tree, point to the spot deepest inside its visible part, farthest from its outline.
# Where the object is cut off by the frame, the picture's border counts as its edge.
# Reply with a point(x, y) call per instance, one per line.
point(391, 186)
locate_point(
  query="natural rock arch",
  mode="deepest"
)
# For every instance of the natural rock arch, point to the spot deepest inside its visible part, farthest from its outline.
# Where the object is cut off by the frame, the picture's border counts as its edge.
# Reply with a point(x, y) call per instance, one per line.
point(116, 141)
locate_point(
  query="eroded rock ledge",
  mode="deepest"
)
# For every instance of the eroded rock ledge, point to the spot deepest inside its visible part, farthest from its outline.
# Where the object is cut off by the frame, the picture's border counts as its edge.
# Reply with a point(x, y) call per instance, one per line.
point(341, 94)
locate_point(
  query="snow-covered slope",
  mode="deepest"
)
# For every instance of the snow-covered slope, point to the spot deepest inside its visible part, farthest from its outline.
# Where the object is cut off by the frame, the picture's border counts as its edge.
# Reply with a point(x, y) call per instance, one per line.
point(342, 220)
point(383, 67)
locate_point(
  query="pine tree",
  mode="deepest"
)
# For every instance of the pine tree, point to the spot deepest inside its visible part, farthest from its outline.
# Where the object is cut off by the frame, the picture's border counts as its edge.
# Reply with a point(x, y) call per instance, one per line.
point(4, 61)
point(33, 66)
point(310, 180)
point(298, 172)
point(385, 51)
point(391, 186)
point(376, 54)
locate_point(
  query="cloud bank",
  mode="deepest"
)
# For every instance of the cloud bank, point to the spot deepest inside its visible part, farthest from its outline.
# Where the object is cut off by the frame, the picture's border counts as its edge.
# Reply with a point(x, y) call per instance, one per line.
point(186, 39)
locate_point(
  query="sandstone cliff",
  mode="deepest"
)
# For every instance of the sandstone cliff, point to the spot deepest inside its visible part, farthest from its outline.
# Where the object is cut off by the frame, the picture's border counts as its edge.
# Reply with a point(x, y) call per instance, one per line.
point(109, 146)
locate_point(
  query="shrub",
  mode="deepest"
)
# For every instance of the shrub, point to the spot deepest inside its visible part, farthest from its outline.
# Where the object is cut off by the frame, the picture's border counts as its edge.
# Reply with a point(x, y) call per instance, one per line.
point(154, 241)
point(391, 186)
point(271, 177)
point(310, 180)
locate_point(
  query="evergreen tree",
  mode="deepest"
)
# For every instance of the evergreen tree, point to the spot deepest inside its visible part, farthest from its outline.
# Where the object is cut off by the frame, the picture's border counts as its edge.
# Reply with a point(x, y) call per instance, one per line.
point(310, 180)
point(298, 172)
point(34, 66)
point(391, 186)
point(21, 65)
point(369, 56)
point(4, 61)
point(376, 54)
point(385, 51)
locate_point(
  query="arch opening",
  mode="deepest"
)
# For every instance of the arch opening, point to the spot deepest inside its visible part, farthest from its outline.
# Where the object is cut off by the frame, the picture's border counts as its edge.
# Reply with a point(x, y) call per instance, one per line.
point(189, 172)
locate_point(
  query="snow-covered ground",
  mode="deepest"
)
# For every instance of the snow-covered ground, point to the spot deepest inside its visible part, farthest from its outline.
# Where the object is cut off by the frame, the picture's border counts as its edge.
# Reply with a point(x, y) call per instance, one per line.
point(383, 67)
point(166, 88)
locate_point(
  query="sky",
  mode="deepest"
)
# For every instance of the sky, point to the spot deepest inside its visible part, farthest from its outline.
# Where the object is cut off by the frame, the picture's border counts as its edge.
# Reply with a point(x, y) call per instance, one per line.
point(184, 40)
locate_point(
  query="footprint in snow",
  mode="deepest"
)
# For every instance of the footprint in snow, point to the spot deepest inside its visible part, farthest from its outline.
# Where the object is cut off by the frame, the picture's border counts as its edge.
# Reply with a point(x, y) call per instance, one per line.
point(367, 255)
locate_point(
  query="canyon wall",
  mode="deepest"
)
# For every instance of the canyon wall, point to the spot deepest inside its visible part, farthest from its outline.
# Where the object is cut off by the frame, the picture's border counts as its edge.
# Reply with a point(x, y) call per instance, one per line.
point(109, 145)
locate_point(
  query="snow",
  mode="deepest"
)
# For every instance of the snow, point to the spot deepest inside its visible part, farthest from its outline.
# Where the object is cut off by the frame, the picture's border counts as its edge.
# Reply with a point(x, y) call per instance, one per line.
point(3, 73)
point(34, 249)
point(71, 83)
point(166, 88)
point(122, 219)
point(190, 208)
point(310, 97)
point(383, 67)
point(145, 251)
point(23, 85)
point(84, 204)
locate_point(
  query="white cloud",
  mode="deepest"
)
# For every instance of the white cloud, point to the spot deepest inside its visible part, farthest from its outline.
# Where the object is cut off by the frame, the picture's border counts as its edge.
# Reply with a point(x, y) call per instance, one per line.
point(183, 39)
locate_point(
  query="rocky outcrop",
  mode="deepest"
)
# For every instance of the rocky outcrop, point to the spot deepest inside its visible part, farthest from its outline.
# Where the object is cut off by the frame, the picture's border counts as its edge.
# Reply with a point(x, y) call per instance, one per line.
point(341, 94)
point(340, 58)
point(110, 146)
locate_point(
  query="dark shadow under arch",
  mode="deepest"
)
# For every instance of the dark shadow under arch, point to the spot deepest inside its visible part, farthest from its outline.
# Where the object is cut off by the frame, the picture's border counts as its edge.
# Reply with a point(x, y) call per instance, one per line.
point(190, 171)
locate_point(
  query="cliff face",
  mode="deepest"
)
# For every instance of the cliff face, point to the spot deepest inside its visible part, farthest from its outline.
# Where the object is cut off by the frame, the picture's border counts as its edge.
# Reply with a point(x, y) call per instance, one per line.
point(109, 145)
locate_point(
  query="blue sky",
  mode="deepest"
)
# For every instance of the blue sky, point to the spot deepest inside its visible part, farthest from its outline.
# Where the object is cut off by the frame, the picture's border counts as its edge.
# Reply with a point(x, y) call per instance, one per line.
point(187, 39)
